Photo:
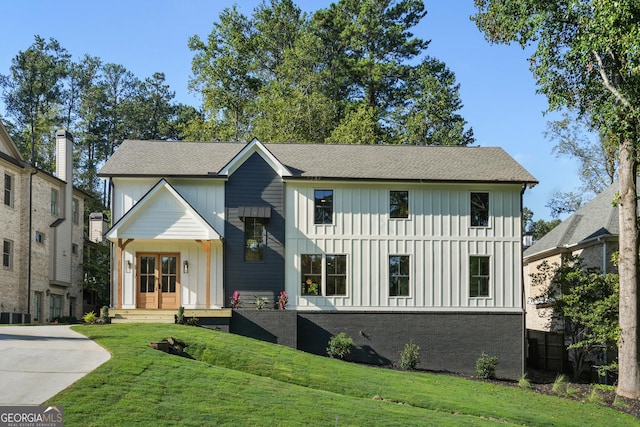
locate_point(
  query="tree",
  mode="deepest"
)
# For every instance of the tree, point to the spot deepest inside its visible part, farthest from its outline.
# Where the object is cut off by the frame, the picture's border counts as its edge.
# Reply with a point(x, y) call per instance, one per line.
point(538, 228)
point(597, 159)
point(284, 76)
point(31, 93)
point(586, 302)
point(586, 58)
point(224, 71)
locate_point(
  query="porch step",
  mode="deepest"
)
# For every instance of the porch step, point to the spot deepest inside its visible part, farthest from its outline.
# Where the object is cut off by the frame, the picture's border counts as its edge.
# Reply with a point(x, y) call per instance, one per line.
point(162, 316)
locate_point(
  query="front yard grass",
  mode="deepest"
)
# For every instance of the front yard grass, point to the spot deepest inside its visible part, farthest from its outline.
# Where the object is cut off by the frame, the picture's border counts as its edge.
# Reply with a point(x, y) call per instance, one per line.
point(234, 380)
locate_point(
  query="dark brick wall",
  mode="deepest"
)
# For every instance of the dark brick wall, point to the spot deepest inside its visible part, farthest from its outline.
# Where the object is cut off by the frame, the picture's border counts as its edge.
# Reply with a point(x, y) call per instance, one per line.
point(448, 341)
point(275, 326)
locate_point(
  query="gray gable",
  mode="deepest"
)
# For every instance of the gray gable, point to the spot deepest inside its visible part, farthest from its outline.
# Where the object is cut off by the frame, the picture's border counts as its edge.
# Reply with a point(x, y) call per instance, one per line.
point(595, 219)
point(306, 161)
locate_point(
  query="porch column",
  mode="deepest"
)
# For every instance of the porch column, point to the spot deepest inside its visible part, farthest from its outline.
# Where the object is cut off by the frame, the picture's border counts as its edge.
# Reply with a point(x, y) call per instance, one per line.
point(206, 247)
point(121, 246)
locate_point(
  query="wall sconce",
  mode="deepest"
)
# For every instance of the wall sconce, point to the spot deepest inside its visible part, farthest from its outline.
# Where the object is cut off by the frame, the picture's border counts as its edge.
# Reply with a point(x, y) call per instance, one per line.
point(68, 295)
point(48, 292)
point(128, 266)
point(185, 267)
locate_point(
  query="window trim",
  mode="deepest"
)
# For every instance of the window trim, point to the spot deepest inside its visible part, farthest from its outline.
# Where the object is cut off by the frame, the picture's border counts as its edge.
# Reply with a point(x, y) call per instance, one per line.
point(55, 201)
point(471, 276)
point(323, 207)
point(75, 211)
point(8, 255)
point(408, 213)
point(251, 222)
point(408, 276)
point(10, 190)
point(471, 210)
point(324, 276)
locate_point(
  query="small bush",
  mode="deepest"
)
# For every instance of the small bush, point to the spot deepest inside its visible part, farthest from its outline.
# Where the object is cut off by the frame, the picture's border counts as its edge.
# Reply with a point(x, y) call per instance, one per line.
point(90, 318)
point(104, 315)
point(486, 366)
point(410, 356)
point(180, 316)
point(596, 397)
point(524, 382)
point(261, 302)
point(339, 346)
point(562, 387)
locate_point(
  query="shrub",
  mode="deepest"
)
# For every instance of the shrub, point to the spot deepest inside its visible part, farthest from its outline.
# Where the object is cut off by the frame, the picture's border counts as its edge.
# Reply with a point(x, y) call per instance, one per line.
point(486, 366)
point(524, 382)
point(235, 299)
point(562, 386)
point(410, 356)
point(180, 316)
point(104, 315)
point(90, 318)
point(261, 302)
point(339, 346)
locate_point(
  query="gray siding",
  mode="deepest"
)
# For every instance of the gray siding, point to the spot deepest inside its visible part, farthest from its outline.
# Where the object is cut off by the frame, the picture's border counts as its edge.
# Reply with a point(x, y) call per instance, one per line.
point(254, 183)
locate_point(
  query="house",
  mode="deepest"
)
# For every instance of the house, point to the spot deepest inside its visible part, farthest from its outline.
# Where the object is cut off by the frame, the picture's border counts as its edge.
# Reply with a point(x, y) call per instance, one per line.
point(590, 233)
point(386, 243)
point(42, 237)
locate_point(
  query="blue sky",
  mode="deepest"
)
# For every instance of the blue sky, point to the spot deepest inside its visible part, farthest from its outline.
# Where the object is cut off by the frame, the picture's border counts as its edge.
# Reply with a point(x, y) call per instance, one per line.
point(497, 88)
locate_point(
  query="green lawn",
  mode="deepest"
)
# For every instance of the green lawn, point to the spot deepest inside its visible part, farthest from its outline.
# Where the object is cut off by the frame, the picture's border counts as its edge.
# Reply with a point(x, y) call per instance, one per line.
point(239, 381)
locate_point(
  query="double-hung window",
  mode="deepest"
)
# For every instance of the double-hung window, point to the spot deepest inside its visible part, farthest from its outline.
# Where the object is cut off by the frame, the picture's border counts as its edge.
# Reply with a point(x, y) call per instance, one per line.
point(323, 206)
point(8, 189)
point(479, 279)
point(479, 209)
point(399, 275)
point(7, 254)
point(324, 274)
point(54, 202)
point(399, 204)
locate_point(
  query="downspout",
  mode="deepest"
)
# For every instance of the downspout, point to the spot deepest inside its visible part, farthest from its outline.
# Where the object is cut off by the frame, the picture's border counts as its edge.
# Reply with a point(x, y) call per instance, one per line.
point(522, 289)
point(33, 171)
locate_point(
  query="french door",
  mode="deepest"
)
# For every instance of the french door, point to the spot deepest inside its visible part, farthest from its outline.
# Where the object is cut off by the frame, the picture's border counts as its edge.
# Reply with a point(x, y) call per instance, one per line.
point(158, 282)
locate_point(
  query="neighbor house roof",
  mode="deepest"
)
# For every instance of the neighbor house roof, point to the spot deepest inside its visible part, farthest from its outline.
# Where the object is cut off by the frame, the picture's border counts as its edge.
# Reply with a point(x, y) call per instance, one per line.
point(598, 218)
point(327, 161)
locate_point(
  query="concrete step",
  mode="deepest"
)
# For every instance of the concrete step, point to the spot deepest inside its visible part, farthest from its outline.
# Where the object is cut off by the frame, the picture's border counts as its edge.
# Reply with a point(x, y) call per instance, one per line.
point(161, 316)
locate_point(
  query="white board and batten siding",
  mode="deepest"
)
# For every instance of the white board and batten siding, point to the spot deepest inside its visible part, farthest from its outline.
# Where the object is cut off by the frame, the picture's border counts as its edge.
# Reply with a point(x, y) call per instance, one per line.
point(163, 226)
point(437, 236)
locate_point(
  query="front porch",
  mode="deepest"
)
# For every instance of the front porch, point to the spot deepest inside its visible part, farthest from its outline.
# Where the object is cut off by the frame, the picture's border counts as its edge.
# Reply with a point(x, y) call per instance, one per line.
point(209, 318)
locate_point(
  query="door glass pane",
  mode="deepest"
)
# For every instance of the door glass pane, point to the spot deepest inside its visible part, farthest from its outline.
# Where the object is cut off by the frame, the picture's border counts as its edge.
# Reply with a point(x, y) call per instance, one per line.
point(147, 273)
point(169, 273)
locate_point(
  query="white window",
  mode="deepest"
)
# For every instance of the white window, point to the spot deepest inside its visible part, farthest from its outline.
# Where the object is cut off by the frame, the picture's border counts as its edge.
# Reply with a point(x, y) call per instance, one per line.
point(479, 276)
point(399, 275)
point(323, 206)
point(255, 239)
point(399, 204)
point(479, 209)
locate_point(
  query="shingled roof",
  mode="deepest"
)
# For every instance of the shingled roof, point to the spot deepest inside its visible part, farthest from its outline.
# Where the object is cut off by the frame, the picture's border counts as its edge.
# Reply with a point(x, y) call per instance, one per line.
point(598, 218)
point(327, 161)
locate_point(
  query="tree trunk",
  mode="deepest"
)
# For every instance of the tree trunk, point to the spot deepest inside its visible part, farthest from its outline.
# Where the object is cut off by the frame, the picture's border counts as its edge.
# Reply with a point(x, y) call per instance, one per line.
point(629, 367)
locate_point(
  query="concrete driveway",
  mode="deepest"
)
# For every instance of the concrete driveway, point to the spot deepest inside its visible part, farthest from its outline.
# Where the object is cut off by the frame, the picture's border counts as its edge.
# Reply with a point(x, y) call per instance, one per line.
point(37, 362)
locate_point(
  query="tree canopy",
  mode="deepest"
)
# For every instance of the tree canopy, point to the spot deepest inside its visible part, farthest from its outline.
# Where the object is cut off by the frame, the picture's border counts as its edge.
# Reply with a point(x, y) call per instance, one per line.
point(350, 73)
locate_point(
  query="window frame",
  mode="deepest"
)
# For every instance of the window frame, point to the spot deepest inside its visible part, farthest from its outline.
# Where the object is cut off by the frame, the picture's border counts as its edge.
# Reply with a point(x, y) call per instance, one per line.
point(479, 275)
point(327, 276)
point(392, 277)
point(307, 276)
point(8, 194)
point(250, 224)
point(55, 201)
point(397, 206)
point(322, 206)
point(7, 254)
point(75, 214)
point(476, 218)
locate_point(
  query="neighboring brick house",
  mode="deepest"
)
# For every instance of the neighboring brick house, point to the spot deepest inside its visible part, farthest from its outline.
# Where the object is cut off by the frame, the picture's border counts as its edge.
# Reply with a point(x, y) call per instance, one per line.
point(386, 243)
point(41, 268)
point(590, 233)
